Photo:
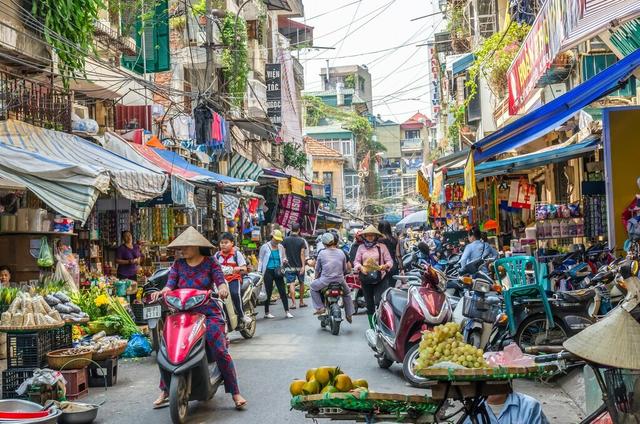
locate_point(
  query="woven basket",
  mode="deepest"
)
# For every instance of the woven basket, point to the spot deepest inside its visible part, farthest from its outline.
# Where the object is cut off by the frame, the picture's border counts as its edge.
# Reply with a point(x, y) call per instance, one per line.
point(478, 374)
point(57, 360)
point(21, 329)
point(111, 353)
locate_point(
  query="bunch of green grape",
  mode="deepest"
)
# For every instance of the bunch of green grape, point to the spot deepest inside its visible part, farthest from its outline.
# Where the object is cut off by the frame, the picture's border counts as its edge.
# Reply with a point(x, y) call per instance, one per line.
point(445, 343)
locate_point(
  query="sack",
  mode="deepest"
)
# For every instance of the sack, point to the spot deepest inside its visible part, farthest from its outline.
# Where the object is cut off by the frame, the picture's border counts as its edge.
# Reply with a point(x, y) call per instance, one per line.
point(45, 258)
point(371, 278)
point(138, 347)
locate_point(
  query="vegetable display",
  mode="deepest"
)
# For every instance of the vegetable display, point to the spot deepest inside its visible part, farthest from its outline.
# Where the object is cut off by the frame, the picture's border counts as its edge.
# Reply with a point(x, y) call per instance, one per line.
point(100, 342)
point(444, 345)
point(8, 295)
point(68, 310)
point(326, 380)
point(30, 312)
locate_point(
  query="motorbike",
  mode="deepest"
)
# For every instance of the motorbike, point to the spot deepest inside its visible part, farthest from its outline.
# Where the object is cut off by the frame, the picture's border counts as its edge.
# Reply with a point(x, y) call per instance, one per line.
point(182, 357)
point(249, 292)
point(401, 318)
point(154, 312)
point(353, 281)
point(332, 318)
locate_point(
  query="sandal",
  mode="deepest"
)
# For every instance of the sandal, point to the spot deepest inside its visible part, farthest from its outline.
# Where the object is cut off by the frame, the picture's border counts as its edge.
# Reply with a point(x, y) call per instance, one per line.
point(240, 404)
point(303, 305)
point(161, 402)
point(320, 312)
point(292, 306)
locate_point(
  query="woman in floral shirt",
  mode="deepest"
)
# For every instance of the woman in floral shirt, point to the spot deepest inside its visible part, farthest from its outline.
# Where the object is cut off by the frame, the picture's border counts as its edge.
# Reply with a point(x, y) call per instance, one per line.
point(196, 271)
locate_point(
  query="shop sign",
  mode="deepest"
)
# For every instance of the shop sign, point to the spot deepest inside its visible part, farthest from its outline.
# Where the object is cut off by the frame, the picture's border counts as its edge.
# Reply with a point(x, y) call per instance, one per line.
point(273, 71)
point(556, 20)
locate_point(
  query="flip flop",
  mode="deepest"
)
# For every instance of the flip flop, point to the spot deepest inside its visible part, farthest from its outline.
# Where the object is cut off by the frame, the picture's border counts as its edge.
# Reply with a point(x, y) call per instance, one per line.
point(303, 305)
point(292, 306)
point(241, 405)
point(162, 404)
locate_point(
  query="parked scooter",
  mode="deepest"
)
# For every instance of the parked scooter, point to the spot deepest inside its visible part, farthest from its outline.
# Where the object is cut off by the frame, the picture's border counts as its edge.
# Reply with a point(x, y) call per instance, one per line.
point(249, 292)
point(182, 357)
point(332, 318)
point(402, 316)
point(357, 294)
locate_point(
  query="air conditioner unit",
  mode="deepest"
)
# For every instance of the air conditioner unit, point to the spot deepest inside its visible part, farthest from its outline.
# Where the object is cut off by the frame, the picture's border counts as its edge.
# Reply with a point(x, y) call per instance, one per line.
point(81, 111)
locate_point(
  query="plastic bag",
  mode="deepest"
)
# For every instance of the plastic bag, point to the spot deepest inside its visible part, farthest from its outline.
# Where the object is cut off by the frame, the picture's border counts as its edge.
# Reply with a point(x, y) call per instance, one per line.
point(61, 274)
point(45, 258)
point(43, 376)
point(138, 347)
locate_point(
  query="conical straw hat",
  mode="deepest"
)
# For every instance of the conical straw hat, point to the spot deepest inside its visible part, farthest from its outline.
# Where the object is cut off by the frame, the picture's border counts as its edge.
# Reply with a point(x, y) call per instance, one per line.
point(371, 230)
point(190, 237)
point(614, 341)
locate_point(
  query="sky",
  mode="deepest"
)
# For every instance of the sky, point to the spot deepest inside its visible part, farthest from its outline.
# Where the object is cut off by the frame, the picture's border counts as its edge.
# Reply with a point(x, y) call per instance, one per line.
point(360, 27)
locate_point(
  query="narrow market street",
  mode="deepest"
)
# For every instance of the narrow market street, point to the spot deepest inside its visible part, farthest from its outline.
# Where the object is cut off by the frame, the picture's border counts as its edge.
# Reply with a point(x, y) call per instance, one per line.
point(282, 350)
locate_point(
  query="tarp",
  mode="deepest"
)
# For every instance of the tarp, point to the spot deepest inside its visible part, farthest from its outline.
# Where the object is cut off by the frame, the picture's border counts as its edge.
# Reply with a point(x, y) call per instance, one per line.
point(551, 115)
point(244, 168)
point(70, 189)
point(553, 154)
point(133, 181)
point(176, 160)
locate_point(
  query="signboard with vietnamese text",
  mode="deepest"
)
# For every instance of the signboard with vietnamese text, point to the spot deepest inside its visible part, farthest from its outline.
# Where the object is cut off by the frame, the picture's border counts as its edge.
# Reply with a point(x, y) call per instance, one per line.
point(552, 26)
point(274, 93)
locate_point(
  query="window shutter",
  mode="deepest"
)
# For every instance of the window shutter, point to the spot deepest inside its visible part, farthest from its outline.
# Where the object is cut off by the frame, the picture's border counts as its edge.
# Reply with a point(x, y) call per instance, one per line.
point(156, 43)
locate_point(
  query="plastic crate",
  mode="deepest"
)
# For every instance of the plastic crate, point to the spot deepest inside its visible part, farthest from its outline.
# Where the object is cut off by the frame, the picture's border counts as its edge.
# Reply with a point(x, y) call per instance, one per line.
point(477, 308)
point(77, 386)
point(108, 370)
point(28, 350)
point(61, 338)
point(137, 309)
point(12, 379)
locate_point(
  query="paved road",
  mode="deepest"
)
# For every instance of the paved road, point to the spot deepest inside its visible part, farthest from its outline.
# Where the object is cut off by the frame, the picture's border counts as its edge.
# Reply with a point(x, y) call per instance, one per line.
point(282, 350)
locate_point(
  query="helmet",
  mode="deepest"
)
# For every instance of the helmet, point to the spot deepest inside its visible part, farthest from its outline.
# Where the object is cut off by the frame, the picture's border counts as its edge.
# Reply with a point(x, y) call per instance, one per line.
point(327, 239)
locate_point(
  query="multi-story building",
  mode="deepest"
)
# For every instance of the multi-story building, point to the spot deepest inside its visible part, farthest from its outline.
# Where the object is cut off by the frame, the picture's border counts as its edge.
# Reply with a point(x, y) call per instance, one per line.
point(327, 165)
point(351, 80)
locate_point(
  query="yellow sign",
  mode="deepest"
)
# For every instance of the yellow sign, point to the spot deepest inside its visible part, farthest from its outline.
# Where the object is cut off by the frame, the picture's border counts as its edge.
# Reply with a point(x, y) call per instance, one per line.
point(469, 178)
point(297, 187)
point(423, 186)
point(284, 187)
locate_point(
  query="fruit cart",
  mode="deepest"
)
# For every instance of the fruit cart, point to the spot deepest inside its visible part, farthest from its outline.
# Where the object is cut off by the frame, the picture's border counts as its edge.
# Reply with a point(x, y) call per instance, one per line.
point(471, 386)
point(367, 407)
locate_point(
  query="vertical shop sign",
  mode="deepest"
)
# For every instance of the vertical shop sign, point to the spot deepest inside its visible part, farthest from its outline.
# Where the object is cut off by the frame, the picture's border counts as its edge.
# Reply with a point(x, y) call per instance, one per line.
point(274, 93)
point(554, 22)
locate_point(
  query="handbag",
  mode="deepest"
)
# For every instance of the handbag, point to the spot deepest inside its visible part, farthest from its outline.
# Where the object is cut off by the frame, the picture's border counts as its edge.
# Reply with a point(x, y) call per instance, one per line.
point(374, 277)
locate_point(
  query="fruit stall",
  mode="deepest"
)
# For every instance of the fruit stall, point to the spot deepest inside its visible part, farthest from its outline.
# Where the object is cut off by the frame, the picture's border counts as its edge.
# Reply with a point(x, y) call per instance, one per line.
point(452, 369)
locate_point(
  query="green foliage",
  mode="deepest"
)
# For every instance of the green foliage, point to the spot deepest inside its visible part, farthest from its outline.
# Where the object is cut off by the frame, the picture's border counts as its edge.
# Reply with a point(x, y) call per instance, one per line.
point(458, 120)
point(234, 57)
point(294, 156)
point(178, 23)
point(493, 58)
point(199, 8)
point(73, 21)
point(350, 81)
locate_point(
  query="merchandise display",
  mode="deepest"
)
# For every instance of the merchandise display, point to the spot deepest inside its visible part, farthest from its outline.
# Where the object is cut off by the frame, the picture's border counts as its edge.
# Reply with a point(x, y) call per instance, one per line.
point(30, 312)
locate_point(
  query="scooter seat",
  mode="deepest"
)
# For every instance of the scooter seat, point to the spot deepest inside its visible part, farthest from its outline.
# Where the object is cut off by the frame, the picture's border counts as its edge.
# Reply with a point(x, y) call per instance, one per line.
point(398, 300)
point(246, 283)
point(579, 296)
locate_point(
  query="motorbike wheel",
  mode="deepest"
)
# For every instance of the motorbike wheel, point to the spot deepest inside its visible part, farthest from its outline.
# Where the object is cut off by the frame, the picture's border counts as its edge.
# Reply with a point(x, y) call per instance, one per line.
point(178, 399)
point(323, 323)
point(408, 368)
point(384, 363)
point(156, 334)
point(335, 326)
point(249, 329)
point(531, 332)
point(336, 316)
point(473, 339)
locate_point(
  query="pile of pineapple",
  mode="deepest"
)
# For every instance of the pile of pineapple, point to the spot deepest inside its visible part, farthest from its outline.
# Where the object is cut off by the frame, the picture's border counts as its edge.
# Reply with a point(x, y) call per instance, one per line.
point(326, 380)
point(444, 344)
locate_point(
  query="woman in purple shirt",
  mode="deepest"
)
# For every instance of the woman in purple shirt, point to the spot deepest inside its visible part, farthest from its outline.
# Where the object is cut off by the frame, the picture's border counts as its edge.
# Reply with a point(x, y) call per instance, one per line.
point(128, 257)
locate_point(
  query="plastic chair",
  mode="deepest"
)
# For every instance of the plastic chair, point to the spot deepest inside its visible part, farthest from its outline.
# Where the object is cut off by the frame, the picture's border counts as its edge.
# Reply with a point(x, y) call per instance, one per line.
point(516, 267)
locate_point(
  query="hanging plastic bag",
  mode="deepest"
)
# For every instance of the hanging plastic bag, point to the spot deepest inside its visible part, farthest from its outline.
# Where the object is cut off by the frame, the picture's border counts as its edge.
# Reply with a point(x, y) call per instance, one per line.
point(45, 258)
point(138, 347)
point(62, 274)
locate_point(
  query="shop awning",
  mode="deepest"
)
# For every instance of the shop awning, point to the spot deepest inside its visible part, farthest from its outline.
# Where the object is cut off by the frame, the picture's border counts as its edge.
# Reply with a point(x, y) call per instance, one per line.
point(175, 159)
point(553, 154)
point(70, 189)
point(244, 168)
point(551, 115)
point(331, 217)
point(462, 64)
point(263, 129)
point(133, 181)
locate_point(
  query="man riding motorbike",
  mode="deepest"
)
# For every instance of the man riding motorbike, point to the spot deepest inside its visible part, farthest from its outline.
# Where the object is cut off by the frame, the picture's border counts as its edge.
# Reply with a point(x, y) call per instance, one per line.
point(477, 249)
point(331, 267)
point(197, 271)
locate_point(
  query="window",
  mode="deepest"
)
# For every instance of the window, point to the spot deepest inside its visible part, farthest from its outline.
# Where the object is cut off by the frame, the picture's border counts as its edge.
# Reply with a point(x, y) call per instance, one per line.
point(391, 186)
point(344, 146)
point(409, 186)
point(327, 180)
point(411, 134)
point(351, 186)
point(315, 176)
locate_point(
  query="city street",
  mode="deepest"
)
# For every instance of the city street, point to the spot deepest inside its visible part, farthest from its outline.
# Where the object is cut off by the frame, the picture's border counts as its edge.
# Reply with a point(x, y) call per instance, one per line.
point(282, 350)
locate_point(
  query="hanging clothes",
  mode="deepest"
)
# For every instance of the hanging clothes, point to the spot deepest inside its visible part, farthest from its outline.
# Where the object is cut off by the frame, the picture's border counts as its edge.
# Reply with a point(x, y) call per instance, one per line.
point(203, 117)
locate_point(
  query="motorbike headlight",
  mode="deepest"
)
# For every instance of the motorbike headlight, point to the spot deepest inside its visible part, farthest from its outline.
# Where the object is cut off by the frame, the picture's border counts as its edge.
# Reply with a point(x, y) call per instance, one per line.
point(481, 286)
point(174, 302)
point(193, 301)
point(587, 281)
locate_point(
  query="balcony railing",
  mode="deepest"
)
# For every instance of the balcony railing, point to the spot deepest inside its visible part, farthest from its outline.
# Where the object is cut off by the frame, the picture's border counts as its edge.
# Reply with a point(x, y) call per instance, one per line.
point(411, 144)
point(34, 102)
point(110, 37)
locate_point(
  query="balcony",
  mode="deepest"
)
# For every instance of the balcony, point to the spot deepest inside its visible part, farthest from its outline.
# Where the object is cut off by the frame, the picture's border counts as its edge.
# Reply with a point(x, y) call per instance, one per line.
point(411, 144)
point(110, 37)
point(257, 59)
point(298, 72)
point(257, 98)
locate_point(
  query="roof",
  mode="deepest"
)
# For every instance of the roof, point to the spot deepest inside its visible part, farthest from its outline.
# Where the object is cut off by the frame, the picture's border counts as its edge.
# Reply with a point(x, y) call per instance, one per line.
point(417, 120)
point(317, 149)
point(551, 115)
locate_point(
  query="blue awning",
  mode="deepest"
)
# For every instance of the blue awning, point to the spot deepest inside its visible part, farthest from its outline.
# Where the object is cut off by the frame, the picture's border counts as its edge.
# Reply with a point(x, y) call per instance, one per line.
point(210, 176)
point(462, 64)
point(551, 115)
point(552, 154)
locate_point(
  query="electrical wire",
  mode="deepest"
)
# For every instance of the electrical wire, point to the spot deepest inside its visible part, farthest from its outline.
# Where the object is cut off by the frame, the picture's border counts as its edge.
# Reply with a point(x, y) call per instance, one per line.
point(349, 28)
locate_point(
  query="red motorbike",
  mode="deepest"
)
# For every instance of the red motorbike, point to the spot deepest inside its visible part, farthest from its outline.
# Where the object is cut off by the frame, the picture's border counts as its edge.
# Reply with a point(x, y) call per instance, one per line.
point(357, 294)
point(182, 357)
point(403, 315)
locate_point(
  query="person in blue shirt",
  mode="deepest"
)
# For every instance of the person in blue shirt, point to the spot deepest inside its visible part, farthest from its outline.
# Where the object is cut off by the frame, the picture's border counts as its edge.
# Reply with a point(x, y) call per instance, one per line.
point(512, 408)
point(477, 249)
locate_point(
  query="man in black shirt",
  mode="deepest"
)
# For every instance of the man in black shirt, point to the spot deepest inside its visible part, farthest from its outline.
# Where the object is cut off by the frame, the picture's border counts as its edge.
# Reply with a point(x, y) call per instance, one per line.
point(296, 248)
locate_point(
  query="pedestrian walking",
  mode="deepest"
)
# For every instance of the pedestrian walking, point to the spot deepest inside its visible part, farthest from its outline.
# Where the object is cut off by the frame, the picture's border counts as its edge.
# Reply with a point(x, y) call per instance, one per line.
point(391, 242)
point(372, 261)
point(296, 249)
point(272, 259)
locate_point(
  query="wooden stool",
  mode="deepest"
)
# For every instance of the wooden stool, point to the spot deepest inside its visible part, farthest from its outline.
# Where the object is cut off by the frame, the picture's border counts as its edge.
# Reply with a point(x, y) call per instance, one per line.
point(108, 368)
point(77, 386)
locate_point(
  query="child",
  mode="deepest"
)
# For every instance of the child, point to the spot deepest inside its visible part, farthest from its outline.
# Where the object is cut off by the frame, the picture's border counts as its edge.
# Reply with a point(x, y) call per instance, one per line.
point(233, 266)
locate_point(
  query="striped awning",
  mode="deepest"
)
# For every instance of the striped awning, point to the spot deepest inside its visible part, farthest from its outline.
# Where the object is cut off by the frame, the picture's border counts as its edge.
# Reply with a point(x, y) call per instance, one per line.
point(243, 168)
point(132, 180)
